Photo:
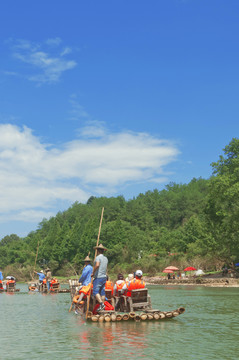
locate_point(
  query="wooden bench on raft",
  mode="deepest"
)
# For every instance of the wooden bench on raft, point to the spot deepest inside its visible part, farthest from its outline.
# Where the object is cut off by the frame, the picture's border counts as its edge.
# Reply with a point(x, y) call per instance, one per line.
point(55, 287)
point(11, 286)
point(139, 300)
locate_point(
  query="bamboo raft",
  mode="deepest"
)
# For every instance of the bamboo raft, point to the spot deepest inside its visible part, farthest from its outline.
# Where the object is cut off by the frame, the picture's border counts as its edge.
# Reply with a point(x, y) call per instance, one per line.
point(42, 287)
point(12, 290)
point(9, 286)
point(137, 308)
point(112, 316)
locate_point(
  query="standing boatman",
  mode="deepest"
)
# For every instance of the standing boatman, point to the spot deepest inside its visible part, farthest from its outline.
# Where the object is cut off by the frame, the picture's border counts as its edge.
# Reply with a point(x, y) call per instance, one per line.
point(85, 279)
point(100, 275)
point(48, 279)
point(1, 279)
point(41, 276)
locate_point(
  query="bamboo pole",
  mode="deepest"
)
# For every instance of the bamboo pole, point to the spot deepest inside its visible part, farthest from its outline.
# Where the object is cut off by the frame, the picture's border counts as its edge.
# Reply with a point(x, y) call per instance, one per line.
point(125, 317)
point(107, 317)
point(118, 317)
point(181, 310)
point(143, 316)
point(35, 261)
point(137, 317)
point(97, 243)
point(101, 318)
point(156, 316)
point(113, 317)
point(169, 314)
point(132, 315)
point(89, 315)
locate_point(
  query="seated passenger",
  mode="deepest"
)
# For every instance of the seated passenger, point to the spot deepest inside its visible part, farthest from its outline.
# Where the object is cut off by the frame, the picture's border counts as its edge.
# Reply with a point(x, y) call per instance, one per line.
point(119, 285)
point(136, 283)
point(109, 285)
point(118, 290)
point(126, 285)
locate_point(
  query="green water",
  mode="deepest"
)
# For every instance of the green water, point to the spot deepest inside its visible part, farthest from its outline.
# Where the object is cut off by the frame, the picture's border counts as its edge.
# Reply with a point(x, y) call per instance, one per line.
point(37, 326)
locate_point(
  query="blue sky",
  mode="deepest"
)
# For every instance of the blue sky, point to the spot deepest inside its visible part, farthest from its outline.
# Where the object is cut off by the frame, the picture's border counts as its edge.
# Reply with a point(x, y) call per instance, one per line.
point(111, 98)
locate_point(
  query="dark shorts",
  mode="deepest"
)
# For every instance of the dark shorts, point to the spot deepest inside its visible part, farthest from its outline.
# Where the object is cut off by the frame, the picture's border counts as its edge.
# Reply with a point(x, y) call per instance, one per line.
point(99, 286)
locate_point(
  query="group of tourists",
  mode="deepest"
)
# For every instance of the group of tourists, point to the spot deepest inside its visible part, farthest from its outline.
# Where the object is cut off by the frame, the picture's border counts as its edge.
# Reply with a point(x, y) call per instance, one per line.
point(101, 282)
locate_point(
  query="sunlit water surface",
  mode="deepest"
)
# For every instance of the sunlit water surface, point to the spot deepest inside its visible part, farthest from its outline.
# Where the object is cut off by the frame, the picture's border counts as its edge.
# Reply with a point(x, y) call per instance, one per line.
point(38, 326)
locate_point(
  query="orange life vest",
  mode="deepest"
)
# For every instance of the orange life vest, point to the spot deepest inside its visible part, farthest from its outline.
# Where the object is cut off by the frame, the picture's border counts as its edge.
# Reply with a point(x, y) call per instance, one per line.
point(10, 282)
point(135, 284)
point(109, 286)
point(119, 287)
point(85, 289)
point(54, 281)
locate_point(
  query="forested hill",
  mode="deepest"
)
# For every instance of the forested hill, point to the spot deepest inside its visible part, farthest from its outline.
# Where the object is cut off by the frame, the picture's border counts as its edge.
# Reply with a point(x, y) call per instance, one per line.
point(194, 223)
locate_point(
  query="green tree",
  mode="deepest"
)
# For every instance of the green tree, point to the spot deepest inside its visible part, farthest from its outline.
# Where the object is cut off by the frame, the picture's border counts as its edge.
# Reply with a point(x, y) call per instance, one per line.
point(223, 202)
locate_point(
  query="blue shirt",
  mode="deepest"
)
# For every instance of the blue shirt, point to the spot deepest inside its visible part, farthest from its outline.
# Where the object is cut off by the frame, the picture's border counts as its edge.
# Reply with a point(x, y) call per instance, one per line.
point(41, 276)
point(1, 277)
point(85, 278)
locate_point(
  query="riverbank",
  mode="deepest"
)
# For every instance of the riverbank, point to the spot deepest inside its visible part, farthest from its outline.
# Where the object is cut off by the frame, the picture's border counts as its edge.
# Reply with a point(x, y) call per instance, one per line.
point(202, 281)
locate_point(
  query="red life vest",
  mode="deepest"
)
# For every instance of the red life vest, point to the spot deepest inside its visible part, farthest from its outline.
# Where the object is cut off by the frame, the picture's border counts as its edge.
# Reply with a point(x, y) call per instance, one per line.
point(109, 286)
point(134, 285)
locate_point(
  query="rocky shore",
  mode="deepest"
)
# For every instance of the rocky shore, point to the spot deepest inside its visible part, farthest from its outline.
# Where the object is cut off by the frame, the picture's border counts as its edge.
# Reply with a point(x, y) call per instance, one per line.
point(203, 281)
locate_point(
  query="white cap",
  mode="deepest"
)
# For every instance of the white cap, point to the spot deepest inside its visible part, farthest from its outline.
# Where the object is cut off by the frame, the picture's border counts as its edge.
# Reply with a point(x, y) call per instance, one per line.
point(138, 273)
point(41, 271)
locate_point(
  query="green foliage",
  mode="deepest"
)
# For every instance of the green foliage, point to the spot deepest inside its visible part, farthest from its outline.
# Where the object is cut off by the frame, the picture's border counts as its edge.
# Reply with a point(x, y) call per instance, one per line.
point(223, 202)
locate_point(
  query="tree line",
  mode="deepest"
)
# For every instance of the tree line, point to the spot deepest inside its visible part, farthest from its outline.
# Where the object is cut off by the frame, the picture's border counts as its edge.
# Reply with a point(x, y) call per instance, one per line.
point(194, 223)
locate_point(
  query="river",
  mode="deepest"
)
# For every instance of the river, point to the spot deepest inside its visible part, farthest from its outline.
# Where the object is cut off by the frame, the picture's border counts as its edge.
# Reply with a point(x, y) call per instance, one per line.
point(37, 326)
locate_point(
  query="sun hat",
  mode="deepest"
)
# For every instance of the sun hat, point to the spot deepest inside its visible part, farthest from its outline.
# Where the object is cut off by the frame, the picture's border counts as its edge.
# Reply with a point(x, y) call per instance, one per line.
point(87, 258)
point(138, 273)
point(100, 247)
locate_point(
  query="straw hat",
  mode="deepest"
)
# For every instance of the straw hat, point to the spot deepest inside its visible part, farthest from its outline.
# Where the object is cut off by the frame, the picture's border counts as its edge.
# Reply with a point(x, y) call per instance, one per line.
point(100, 247)
point(87, 258)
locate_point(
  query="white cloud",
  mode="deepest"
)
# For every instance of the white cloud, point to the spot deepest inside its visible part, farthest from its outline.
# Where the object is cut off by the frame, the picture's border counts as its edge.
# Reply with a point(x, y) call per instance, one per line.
point(46, 61)
point(34, 176)
point(53, 41)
